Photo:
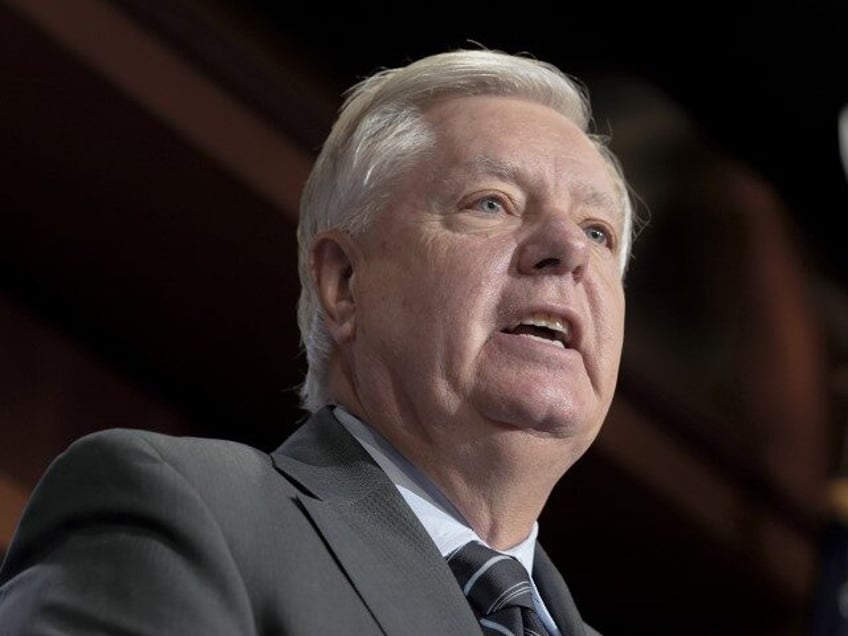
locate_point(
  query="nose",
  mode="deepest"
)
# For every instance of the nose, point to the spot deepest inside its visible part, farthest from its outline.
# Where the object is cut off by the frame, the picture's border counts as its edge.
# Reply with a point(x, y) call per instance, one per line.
point(557, 247)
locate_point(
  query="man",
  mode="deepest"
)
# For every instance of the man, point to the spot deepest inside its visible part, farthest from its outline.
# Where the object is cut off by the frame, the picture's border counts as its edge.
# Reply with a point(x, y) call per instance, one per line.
point(463, 242)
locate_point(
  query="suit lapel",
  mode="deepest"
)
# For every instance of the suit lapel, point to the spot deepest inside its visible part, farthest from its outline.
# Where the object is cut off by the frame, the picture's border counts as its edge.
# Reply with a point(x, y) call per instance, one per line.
point(555, 594)
point(378, 541)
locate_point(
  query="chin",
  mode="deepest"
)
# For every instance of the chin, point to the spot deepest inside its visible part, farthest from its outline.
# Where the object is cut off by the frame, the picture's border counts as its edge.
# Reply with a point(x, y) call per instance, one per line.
point(543, 412)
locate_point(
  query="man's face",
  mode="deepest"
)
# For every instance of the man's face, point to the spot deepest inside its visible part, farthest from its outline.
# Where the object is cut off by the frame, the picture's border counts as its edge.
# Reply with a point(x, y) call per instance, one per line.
point(489, 289)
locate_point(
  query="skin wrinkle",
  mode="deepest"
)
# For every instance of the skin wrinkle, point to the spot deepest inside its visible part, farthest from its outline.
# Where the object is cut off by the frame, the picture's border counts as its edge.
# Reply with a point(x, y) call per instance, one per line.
point(505, 177)
point(488, 416)
point(484, 166)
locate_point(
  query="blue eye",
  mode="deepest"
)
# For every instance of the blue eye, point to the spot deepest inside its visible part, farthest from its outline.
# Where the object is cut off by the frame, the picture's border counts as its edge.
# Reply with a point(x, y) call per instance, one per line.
point(490, 205)
point(598, 235)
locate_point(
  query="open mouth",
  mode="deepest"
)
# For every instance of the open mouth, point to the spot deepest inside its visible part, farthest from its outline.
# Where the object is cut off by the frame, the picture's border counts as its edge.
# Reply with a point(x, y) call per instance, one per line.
point(546, 327)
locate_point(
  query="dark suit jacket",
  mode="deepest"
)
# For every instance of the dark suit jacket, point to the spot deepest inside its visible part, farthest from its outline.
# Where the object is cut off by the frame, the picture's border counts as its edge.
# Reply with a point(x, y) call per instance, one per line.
point(133, 532)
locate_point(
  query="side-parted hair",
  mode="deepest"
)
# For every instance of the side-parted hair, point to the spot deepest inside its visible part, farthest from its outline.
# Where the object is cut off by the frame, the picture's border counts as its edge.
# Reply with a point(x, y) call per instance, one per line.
point(381, 132)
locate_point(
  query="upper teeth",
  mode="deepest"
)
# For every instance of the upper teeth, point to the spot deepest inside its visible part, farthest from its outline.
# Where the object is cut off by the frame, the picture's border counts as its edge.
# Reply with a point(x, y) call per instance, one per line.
point(549, 321)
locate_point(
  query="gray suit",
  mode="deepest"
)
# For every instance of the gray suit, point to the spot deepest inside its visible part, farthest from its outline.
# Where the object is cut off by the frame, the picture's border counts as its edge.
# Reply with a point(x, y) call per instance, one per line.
point(133, 532)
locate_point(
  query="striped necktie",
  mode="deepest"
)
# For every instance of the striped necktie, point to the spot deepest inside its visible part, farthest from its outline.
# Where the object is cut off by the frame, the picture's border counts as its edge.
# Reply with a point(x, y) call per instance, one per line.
point(499, 590)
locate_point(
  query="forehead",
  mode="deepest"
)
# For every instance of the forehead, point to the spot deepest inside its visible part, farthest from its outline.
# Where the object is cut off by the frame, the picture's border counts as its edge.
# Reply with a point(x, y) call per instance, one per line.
point(517, 140)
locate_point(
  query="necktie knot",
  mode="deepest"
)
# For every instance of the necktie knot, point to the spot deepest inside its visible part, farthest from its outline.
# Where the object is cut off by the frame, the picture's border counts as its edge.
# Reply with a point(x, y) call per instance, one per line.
point(498, 589)
point(490, 580)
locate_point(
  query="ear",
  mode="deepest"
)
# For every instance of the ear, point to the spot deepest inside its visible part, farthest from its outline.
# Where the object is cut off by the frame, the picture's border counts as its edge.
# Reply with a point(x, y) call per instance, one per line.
point(333, 256)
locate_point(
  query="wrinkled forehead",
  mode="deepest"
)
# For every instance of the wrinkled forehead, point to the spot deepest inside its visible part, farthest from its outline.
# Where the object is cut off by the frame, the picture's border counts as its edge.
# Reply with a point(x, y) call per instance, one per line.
point(508, 128)
point(522, 142)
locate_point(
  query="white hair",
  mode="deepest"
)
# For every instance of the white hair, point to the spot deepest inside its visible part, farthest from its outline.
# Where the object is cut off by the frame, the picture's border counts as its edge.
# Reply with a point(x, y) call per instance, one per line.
point(381, 132)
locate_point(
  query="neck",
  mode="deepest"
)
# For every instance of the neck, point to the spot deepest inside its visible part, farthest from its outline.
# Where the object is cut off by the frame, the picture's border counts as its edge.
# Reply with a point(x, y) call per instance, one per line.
point(499, 487)
point(499, 494)
point(497, 476)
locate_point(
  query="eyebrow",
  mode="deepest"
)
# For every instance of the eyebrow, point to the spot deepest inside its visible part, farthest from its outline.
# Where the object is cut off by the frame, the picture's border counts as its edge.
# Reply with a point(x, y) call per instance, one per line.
point(590, 196)
point(483, 164)
point(586, 193)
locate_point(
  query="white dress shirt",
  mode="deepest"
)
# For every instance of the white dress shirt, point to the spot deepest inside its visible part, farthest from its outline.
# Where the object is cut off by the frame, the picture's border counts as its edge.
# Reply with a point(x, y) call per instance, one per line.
point(439, 517)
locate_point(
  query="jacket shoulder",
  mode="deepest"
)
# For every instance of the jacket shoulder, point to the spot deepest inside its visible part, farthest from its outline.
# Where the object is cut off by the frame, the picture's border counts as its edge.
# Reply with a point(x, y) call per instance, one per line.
point(130, 443)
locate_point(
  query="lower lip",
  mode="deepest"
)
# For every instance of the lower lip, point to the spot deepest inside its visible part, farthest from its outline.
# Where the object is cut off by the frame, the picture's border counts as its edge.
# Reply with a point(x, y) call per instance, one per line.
point(533, 347)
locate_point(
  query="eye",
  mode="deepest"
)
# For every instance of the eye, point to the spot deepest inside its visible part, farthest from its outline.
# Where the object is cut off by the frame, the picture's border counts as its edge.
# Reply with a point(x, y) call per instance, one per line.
point(599, 234)
point(490, 204)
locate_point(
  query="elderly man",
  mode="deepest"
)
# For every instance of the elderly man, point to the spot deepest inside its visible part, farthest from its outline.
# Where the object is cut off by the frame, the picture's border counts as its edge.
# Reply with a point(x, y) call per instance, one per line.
point(463, 241)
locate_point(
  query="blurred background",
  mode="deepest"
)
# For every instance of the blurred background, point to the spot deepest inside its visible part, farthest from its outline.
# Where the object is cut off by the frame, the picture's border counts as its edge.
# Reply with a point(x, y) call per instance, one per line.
point(151, 158)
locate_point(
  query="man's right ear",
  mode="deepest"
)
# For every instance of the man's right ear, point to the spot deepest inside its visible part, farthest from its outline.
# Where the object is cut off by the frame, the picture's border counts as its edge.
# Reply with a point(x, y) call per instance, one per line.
point(332, 257)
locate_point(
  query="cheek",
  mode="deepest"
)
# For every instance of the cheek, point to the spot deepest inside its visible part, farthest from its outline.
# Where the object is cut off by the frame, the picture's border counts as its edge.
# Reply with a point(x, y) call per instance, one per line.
point(461, 272)
point(610, 327)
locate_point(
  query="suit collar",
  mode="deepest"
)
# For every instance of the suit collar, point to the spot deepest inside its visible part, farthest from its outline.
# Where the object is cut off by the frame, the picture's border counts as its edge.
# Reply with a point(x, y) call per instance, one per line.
point(378, 541)
point(327, 463)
